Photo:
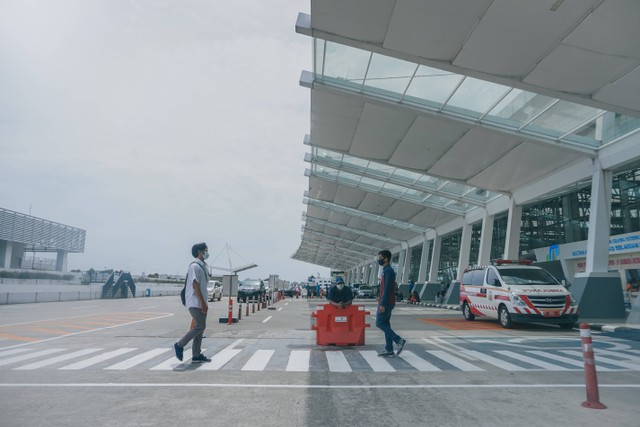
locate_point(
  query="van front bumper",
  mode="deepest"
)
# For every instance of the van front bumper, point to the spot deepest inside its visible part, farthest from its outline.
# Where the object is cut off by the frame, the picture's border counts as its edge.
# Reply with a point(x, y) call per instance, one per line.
point(537, 318)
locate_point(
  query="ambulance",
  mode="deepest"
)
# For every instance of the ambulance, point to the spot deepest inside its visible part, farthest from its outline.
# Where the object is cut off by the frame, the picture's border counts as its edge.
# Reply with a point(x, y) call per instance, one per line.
point(516, 292)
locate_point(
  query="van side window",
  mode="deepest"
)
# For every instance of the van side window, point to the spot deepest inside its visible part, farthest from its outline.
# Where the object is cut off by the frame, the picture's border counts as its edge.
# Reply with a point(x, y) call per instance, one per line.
point(478, 278)
point(466, 278)
point(492, 277)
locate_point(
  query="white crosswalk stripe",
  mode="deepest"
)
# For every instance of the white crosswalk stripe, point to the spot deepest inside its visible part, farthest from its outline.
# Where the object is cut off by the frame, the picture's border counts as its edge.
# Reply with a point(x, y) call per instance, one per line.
point(299, 361)
point(337, 361)
point(347, 360)
point(494, 361)
point(258, 361)
point(606, 360)
point(532, 361)
point(138, 359)
point(377, 363)
point(463, 365)
point(568, 361)
point(33, 355)
point(58, 359)
point(96, 359)
point(417, 362)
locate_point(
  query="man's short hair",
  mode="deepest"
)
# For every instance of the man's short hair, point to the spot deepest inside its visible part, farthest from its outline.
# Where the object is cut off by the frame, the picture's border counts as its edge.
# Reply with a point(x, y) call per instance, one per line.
point(197, 248)
point(385, 254)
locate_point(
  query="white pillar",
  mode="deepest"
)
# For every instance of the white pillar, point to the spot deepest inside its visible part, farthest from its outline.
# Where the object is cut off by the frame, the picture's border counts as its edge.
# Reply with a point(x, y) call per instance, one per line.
point(435, 259)
point(486, 239)
point(61, 261)
point(401, 262)
point(424, 267)
point(8, 254)
point(512, 243)
point(599, 221)
point(407, 266)
point(465, 249)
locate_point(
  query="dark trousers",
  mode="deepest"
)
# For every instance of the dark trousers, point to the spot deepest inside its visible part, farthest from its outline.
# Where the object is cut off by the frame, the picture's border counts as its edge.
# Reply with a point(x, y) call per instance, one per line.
point(383, 322)
point(195, 334)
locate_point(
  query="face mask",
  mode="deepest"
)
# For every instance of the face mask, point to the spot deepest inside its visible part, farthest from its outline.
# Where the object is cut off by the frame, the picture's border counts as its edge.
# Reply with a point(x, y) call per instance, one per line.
point(380, 262)
point(340, 287)
point(206, 255)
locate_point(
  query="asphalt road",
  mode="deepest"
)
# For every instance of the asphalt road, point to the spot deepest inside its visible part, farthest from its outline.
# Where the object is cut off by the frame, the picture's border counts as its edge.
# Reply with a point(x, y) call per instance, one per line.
point(110, 362)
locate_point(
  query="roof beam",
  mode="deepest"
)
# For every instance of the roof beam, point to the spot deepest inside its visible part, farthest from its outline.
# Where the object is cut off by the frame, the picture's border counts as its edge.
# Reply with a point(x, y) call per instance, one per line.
point(351, 230)
point(380, 219)
point(340, 239)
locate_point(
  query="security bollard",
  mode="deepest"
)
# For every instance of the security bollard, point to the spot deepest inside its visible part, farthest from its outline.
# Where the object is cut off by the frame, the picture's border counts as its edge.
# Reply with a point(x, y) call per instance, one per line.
point(253, 306)
point(247, 313)
point(259, 302)
point(591, 378)
point(239, 311)
point(230, 320)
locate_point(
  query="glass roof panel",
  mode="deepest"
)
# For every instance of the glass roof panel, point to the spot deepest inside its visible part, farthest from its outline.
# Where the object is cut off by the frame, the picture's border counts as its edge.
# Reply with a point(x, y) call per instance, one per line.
point(475, 97)
point(389, 74)
point(563, 117)
point(345, 63)
point(432, 87)
point(491, 103)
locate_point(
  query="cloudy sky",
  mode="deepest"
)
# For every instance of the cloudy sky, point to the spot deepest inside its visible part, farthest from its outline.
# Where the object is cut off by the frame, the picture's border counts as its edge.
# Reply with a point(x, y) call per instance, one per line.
point(155, 124)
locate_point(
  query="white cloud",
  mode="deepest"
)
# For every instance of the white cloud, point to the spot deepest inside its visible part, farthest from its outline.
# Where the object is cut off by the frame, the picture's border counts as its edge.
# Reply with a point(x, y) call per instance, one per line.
point(156, 124)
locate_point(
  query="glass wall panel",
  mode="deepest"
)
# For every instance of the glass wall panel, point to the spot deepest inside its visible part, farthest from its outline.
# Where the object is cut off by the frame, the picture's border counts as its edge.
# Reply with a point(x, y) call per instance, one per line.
point(499, 239)
point(449, 254)
point(414, 265)
point(476, 231)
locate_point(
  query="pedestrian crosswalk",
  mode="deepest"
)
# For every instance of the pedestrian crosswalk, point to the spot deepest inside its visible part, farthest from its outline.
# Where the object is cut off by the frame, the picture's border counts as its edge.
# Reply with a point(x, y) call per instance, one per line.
point(240, 356)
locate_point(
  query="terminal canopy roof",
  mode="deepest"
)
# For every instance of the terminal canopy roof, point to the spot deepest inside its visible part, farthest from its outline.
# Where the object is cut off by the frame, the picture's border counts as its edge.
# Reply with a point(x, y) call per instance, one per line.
point(425, 111)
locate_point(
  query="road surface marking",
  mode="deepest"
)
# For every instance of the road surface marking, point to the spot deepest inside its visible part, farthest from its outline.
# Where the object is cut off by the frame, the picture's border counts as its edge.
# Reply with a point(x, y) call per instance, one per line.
point(29, 356)
point(606, 360)
point(494, 361)
point(417, 362)
point(532, 361)
point(267, 319)
point(258, 361)
point(299, 361)
point(377, 363)
point(455, 361)
point(568, 361)
point(138, 359)
point(96, 359)
point(58, 359)
point(337, 361)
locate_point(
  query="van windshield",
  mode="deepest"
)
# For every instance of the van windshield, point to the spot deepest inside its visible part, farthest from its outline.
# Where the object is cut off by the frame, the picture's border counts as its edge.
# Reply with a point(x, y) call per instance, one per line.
point(527, 276)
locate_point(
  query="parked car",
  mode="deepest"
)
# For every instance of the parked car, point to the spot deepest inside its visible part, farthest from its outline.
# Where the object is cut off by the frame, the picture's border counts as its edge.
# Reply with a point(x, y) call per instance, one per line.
point(214, 290)
point(515, 291)
point(250, 289)
point(365, 291)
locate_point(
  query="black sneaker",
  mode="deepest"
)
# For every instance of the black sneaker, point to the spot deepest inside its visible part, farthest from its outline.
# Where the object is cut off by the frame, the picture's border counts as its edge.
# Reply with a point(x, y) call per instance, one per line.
point(400, 346)
point(386, 354)
point(200, 359)
point(179, 351)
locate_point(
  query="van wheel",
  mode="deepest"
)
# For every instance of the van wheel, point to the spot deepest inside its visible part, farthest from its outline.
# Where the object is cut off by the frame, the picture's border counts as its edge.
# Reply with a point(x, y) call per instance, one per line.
point(505, 317)
point(220, 297)
point(466, 311)
point(567, 325)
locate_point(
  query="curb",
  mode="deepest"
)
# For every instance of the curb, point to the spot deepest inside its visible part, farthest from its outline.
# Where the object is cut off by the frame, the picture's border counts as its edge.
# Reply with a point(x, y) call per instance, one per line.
point(428, 304)
point(608, 328)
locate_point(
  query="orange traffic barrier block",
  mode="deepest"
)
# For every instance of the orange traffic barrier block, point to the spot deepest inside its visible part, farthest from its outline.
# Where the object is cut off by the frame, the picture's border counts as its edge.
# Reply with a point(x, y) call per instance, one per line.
point(339, 326)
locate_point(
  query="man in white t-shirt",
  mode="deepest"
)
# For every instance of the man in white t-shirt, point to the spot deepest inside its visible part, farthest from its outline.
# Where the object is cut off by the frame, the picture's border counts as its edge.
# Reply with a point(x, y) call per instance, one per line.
point(196, 302)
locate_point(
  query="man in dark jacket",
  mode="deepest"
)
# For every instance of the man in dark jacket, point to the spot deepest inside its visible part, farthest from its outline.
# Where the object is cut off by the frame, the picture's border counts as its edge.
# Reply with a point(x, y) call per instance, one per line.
point(386, 303)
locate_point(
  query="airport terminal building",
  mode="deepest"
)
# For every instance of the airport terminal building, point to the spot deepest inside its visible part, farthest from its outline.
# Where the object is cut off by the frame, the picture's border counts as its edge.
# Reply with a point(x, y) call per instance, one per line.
point(23, 236)
point(453, 133)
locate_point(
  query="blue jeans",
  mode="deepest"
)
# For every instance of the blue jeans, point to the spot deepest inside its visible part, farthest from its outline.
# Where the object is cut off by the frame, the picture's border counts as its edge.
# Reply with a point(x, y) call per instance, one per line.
point(383, 322)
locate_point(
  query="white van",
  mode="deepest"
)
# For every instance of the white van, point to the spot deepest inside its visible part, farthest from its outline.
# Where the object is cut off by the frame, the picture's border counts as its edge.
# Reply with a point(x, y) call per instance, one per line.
point(516, 291)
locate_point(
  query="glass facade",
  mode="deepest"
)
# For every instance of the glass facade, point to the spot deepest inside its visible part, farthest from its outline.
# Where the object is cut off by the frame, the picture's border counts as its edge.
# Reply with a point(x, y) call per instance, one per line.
point(476, 232)
point(449, 254)
point(498, 242)
point(414, 265)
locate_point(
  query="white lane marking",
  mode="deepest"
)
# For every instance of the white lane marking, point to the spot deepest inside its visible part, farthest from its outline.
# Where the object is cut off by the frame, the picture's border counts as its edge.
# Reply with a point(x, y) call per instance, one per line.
point(634, 359)
point(376, 362)
point(57, 359)
point(280, 309)
point(222, 357)
point(138, 359)
point(337, 361)
point(286, 303)
point(417, 362)
point(441, 344)
point(494, 361)
point(452, 360)
point(309, 386)
point(634, 351)
point(299, 361)
point(14, 351)
point(172, 363)
point(82, 332)
point(563, 359)
point(96, 359)
point(606, 360)
point(29, 356)
point(267, 319)
point(532, 361)
point(258, 361)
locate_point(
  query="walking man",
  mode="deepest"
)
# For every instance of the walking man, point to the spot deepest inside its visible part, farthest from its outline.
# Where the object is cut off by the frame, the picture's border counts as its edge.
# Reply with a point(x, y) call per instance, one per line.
point(386, 303)
point(196, 302)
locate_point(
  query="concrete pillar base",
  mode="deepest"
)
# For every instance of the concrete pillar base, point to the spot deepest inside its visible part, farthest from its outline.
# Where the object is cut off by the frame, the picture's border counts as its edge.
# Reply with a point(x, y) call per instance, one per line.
point(430, 290)
point(599, 296)
point(453, 294)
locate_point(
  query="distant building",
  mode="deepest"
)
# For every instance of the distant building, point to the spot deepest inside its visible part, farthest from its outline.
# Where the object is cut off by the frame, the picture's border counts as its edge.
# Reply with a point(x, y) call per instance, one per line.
point(21, 234)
